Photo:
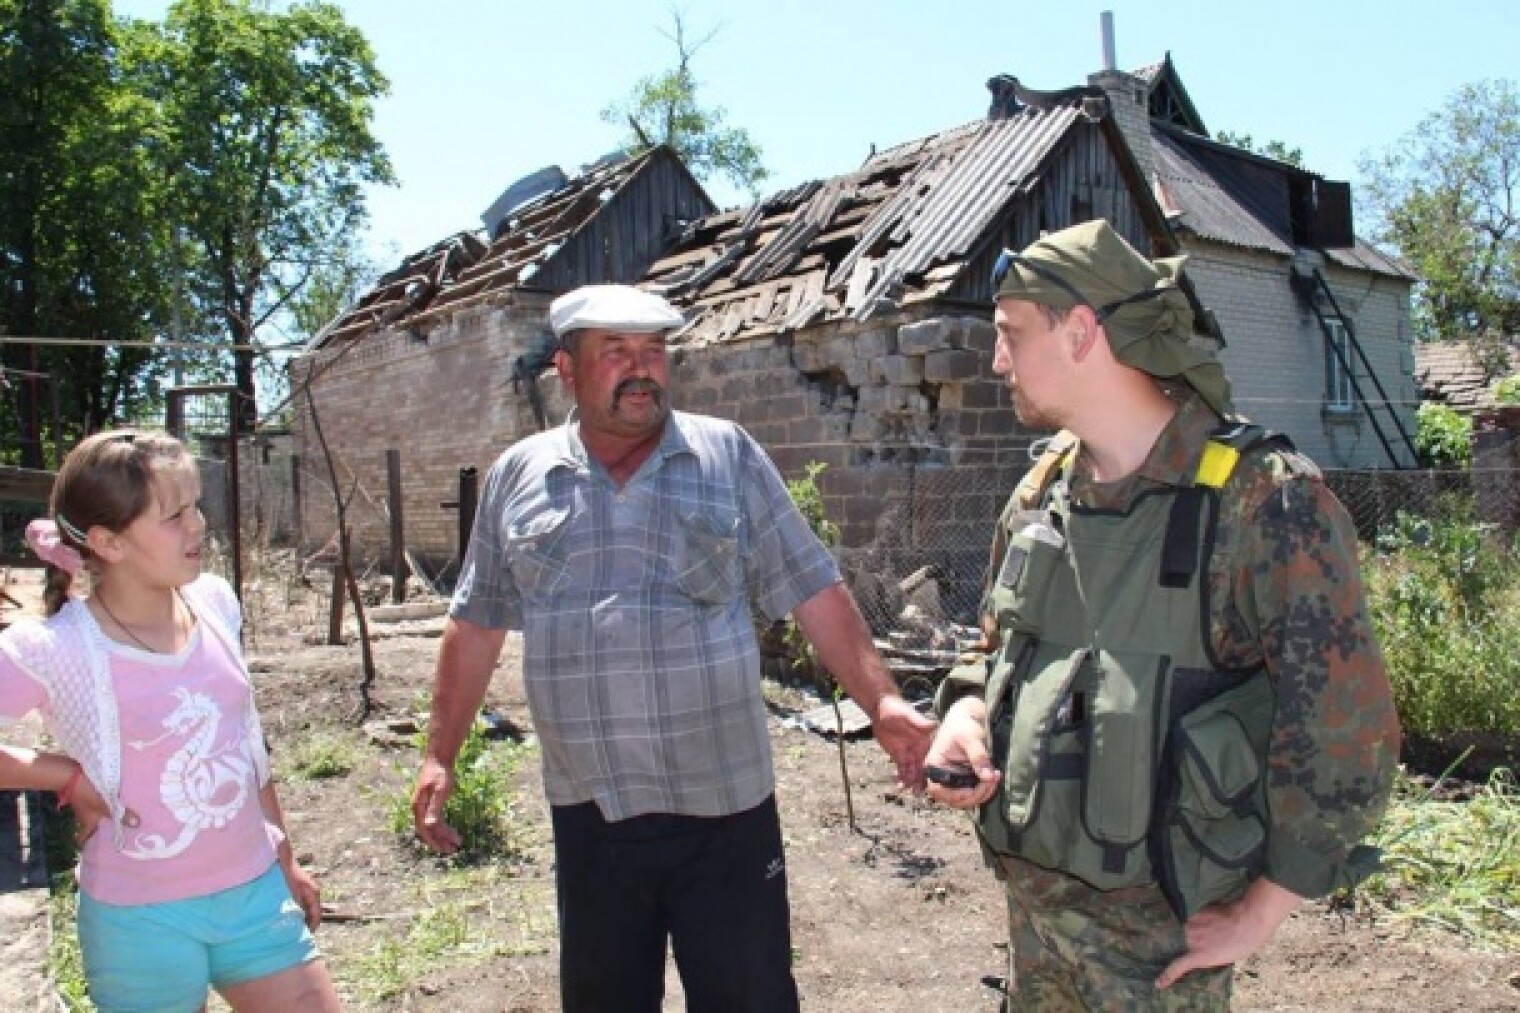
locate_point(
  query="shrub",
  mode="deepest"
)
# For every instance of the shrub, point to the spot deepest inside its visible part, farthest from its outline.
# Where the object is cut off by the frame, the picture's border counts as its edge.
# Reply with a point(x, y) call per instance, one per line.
point(482, 804)
point(1443, 436)
point(1445, 599)
point(809, 499)
point(321, 755)
point(1507, 390)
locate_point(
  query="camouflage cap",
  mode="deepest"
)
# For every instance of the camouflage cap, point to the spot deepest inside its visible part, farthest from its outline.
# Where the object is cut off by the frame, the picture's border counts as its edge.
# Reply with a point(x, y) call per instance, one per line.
point(1137, 300)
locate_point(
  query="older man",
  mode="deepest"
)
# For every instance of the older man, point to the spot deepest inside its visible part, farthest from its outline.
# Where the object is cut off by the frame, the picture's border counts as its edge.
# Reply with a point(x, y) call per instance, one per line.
point(1183, 727)
point(628, 546)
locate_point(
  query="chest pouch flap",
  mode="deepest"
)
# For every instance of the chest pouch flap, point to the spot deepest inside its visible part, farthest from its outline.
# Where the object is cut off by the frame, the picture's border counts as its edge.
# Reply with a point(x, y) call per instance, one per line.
point(1034, 547)
point(1035, 745)
point(1122, 737)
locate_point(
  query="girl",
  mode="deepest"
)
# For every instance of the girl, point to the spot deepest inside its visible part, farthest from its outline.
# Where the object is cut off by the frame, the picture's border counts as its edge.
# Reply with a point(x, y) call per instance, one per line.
point(186, 878)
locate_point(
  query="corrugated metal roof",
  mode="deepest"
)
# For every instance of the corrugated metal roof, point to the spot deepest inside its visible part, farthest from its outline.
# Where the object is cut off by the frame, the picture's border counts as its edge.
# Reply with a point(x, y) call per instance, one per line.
point(467, 268)
point(1208, 209)
point(1367, 257)
point(1241, 199)
point(900, 227)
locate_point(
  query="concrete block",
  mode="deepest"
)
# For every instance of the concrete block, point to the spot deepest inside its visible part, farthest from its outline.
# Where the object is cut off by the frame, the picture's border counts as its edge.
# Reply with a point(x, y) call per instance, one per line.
point(809, 357)
point(951, 364)
point(924, 336)
point(907, 371)
point(874, 344)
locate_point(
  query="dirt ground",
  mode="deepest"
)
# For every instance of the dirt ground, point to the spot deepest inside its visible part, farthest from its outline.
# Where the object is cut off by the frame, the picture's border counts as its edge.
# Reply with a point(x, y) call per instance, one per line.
point(897, 914)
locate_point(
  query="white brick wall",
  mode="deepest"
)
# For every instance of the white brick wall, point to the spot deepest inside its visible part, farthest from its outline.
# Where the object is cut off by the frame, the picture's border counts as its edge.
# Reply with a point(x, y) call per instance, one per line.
point(1275, 351)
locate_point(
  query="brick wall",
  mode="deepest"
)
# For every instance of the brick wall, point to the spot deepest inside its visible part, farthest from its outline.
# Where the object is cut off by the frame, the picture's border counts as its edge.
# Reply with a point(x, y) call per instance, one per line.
point(444, 401)
point(919, 436)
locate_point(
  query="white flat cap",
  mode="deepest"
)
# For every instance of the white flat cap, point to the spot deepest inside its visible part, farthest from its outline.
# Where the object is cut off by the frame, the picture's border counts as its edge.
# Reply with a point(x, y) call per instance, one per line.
point(612, 308)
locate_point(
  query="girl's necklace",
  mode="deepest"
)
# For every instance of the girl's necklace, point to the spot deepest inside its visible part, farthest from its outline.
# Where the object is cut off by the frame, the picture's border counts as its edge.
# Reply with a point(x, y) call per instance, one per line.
point(100, 600)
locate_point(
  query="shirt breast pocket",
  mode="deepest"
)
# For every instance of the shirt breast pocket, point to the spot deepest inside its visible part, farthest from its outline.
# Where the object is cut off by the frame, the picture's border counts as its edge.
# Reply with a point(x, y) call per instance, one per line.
point(707, 566)
point(537, 554)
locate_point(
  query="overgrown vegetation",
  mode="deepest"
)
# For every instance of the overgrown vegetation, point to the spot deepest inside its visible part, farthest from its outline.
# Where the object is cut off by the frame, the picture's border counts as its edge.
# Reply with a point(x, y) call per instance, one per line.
point(1445, 598)
point(320, 755)
point(1453, 866)
point(1443, 436)
point(483, 803)
point(65, 962)
point(464, 916)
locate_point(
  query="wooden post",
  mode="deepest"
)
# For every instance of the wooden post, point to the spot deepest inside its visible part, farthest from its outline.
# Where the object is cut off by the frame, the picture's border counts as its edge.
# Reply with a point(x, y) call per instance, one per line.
point(467, 494)
point(335, 616)
point(295, 499)
point(399, 570)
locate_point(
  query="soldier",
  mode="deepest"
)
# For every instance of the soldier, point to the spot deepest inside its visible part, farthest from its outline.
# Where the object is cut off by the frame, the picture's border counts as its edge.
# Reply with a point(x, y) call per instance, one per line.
point(1181, 727)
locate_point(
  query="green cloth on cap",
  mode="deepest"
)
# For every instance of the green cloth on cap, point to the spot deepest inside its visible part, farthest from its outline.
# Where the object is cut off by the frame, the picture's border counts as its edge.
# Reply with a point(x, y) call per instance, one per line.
point(1149, 334)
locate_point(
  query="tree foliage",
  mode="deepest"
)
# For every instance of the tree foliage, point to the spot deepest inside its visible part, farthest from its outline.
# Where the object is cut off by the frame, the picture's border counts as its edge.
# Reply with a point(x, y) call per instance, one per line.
point(1444, 197)
point(267, 142)
point(663, 109)
point(1278, 150)
point(187, 178)
point(82, 245)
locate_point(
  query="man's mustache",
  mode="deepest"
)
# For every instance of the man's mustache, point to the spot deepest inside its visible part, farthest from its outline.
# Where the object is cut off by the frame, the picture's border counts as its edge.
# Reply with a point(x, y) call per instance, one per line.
point(639, 385)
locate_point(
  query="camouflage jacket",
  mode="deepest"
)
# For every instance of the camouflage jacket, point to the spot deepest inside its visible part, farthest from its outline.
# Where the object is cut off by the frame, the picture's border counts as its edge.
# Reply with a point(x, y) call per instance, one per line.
point(1285, 594)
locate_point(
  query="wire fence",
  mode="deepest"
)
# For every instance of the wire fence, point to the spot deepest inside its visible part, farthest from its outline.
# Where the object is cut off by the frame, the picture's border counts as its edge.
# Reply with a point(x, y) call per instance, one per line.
point(917, 532)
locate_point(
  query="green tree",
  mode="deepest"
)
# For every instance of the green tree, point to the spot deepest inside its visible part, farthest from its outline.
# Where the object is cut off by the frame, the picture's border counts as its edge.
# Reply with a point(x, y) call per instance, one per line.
point(663, 109)
point(1270, 149)
point(1445, 197)
point(267, 145)
point(82, 248)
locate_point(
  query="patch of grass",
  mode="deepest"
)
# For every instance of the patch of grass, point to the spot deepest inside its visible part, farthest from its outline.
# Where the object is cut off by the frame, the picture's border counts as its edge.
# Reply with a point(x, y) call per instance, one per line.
point(321, 754)
point(65, 962)
point(452, 932)
point(1453, 866)
point(483, 804)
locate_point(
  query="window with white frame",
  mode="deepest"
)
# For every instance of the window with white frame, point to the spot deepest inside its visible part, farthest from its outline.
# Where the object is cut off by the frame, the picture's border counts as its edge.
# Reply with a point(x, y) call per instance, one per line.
point(1339, 394)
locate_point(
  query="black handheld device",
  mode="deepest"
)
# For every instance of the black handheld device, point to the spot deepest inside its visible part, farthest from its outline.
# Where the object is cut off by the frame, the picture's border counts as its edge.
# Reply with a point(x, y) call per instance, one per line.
point(952, 777)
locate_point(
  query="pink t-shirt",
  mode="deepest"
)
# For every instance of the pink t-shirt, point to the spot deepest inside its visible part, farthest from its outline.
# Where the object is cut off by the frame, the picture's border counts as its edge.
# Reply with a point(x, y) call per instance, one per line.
point(194, 824)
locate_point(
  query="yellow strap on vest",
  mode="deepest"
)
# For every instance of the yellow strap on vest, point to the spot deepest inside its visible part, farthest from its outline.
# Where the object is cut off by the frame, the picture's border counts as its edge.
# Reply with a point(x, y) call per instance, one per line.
point(1216, 465)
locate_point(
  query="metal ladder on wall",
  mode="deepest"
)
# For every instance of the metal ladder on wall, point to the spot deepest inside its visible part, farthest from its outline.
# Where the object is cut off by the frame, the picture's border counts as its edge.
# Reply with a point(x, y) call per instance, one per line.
point(1312, 287)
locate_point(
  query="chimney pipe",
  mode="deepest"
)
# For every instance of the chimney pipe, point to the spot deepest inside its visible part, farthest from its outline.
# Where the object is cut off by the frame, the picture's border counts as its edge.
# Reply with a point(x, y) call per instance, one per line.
point(1106, 21)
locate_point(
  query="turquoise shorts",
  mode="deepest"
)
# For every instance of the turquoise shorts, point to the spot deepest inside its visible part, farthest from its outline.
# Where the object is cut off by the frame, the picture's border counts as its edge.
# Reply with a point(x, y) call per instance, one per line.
point(163, 957)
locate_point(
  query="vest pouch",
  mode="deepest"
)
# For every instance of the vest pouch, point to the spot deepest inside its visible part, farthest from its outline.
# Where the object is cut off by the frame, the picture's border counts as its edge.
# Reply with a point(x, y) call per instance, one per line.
point(1076, 793)
point(1034, 549)
point(1032, 813)
point(1214, 836)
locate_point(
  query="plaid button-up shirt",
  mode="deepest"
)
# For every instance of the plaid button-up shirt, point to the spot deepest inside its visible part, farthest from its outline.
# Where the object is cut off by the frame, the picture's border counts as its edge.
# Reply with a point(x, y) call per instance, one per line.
point(639, 651)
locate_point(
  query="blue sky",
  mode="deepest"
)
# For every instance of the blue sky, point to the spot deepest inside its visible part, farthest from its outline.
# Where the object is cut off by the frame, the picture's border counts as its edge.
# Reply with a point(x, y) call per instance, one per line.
point(486, 91)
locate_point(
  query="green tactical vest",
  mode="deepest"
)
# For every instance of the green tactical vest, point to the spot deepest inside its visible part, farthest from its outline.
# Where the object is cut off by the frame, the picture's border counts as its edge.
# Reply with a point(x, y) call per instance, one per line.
point(1129, 755)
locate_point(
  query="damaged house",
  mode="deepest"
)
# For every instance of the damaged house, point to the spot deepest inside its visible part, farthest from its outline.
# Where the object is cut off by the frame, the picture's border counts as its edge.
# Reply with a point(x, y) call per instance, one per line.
point(848, 321)
point(440, 360)
point(1319, 343)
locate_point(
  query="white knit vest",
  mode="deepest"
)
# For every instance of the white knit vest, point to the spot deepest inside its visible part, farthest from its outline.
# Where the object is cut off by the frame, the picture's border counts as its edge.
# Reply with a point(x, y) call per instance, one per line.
point(66, 655)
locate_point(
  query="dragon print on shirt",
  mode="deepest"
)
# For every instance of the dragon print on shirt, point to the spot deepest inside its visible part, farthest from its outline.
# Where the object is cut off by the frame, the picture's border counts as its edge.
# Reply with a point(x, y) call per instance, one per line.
point(196, 781)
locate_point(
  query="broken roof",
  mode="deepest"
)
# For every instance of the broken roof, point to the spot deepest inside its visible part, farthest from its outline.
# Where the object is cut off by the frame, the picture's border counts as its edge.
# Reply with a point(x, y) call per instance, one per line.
point(1227, 194)
point(1450, 372)
point(530, 242)
point(899, 230)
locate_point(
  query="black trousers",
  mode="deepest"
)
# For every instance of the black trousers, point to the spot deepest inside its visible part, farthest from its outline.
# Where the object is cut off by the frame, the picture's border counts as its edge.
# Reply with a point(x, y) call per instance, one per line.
point(715, 887)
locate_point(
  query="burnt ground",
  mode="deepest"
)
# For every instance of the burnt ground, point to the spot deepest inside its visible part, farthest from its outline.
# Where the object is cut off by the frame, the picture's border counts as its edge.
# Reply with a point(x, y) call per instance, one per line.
point(895, 914)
